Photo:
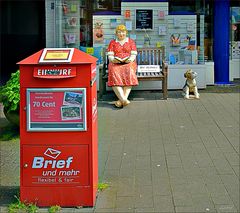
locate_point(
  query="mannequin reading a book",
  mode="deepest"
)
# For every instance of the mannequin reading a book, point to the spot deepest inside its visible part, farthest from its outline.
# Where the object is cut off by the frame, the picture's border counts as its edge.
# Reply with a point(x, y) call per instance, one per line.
point(122, 66)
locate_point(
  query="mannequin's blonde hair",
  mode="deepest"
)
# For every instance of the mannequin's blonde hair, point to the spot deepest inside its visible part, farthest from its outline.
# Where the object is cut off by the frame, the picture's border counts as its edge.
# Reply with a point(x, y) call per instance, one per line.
point(121, 27)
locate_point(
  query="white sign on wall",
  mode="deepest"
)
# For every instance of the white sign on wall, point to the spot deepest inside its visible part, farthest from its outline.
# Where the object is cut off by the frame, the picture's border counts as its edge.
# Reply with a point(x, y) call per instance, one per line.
point(148, 68)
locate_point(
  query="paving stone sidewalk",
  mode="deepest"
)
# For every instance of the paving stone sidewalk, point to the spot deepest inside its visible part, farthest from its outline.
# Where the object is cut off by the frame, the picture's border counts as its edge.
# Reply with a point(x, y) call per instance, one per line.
point(158, 155)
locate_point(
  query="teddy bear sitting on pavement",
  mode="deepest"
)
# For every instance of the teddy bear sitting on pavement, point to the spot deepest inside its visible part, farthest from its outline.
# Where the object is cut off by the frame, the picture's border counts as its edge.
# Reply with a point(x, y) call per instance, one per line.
point(190, 84)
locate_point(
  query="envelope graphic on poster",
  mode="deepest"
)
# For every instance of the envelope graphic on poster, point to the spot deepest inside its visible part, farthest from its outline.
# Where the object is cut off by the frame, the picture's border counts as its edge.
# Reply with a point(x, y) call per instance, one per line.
point(52, 153)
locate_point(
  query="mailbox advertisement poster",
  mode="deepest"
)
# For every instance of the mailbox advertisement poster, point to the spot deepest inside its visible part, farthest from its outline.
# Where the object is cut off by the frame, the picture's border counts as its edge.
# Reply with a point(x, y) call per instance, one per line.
point(56, 165)
point(58, 109)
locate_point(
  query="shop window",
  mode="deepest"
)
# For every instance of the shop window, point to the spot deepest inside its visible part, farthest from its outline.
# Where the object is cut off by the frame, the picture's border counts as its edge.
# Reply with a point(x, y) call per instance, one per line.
point(192, 7)
point(235, 33)
point(182, 5)
point(208, 32)
point(102, 4)
point(114, 5)
point(85, 23)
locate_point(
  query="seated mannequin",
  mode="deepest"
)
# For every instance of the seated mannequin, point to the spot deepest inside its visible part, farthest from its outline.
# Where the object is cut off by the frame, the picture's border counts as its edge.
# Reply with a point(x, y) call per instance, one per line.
point(122, 66)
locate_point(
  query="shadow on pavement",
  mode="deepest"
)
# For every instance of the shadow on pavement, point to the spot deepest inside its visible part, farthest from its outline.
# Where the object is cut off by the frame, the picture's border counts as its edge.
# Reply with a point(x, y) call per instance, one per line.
point(7, 194)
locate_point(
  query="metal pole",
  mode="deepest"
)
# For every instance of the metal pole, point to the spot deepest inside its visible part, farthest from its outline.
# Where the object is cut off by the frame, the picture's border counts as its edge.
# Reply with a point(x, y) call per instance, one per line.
point(221, 12)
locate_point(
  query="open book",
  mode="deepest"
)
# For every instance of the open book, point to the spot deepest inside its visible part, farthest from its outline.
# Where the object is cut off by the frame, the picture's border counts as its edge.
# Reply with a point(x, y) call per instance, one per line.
point(122, 60)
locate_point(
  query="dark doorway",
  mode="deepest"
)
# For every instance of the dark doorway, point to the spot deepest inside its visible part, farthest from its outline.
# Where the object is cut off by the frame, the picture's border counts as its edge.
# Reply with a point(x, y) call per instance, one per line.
point(22, 32)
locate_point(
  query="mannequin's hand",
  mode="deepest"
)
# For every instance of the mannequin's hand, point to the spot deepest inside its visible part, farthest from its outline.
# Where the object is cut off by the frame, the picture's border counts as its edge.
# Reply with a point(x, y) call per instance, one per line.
point(112, 59)
point(131, 59)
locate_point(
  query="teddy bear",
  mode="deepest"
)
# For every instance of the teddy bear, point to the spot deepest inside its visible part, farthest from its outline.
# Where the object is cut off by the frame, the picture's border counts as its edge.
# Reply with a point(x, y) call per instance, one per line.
point(190, 85)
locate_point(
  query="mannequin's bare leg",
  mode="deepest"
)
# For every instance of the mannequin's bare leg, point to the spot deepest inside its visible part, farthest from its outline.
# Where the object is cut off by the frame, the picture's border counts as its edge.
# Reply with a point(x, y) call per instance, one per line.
point(120, 94)
point(126, 91)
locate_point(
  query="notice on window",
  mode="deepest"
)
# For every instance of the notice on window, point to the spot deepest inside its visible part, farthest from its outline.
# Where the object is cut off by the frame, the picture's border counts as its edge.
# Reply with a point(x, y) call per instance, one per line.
point(56, 109)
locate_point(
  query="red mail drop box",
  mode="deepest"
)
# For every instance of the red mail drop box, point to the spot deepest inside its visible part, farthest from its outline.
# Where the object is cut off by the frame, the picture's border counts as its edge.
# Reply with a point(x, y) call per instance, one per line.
point(58, 128)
